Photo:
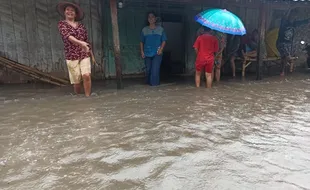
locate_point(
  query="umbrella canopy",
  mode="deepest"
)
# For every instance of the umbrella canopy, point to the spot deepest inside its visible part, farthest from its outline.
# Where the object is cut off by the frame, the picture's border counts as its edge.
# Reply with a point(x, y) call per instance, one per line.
point(221, 20)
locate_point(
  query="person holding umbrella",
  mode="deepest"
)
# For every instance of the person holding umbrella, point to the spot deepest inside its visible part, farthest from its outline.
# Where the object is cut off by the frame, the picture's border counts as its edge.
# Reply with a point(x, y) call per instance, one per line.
point(76, 46)
point(223, 21)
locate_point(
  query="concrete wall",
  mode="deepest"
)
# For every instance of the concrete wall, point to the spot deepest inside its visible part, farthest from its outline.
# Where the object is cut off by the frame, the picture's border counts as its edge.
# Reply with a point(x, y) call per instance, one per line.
point(29, 35)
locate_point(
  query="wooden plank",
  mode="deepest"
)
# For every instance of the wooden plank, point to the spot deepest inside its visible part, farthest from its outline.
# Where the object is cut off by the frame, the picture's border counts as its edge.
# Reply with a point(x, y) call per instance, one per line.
point(85, 5)
point(96, 32)
point(104, 35)
point(32, 70)
point(109, 64)
point(31, 32)
point(1, 39)
point(244, 5)
point(242, 14)
point(221, 4)
point(264, 59)
point(116, 43)
point(252, 22)
point(8, 30)
point(107, 38)
point(57, 53)
point(19, 31)
point(30, 74)
point(44, 48)
point(262, 31)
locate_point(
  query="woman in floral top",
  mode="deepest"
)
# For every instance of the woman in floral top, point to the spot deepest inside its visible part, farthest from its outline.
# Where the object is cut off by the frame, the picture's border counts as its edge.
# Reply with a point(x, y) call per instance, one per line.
point(76, 46)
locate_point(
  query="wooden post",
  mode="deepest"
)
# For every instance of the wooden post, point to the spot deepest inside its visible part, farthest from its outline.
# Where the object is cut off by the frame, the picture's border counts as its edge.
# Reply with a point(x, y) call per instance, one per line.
point(262, 31)
point(116, 43)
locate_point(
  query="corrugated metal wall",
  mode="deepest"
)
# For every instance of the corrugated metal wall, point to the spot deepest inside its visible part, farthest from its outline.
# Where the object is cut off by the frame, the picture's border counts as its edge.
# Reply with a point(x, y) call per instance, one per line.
point(29, 35)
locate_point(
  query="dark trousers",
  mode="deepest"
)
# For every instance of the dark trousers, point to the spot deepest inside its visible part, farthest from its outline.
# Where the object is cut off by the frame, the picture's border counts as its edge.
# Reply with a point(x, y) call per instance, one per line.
point(152, 65)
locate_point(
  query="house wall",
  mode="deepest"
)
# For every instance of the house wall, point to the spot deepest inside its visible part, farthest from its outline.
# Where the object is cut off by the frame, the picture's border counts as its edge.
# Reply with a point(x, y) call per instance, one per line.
point(247, 10)
point(29, 35)
point(132, 20)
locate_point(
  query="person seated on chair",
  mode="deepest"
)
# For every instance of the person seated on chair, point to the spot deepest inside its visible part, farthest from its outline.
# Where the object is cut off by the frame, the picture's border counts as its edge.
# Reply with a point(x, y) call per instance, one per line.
point(251, 46)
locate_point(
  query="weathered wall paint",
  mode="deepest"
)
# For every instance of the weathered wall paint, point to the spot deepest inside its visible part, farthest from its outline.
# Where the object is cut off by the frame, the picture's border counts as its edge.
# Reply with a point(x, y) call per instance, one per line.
point(29, 35)
point(130, 25)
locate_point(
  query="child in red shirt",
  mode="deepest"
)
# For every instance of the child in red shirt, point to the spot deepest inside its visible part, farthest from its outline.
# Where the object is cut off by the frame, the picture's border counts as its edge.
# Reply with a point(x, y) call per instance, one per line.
point(206, 46)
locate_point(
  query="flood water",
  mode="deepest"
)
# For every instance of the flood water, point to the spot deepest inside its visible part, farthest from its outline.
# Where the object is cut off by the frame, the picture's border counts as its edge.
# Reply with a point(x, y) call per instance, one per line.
point(239, 135)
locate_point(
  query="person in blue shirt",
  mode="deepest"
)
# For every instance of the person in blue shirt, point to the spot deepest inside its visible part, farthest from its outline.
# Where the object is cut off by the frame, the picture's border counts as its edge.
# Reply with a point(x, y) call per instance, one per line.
point(153, 41)
point(286, 37)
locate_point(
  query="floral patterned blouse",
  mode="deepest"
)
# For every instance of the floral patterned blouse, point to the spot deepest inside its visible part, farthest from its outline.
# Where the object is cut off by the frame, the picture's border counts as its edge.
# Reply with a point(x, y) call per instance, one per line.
point(73, 51)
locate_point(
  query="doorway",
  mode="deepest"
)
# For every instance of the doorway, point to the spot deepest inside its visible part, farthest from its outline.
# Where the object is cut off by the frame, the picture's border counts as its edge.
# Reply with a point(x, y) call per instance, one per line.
point(174, 52)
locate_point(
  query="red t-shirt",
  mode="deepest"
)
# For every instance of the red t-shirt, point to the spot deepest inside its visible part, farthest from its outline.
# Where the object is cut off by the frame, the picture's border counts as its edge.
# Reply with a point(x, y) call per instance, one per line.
point(73, 51)
point(206, 45)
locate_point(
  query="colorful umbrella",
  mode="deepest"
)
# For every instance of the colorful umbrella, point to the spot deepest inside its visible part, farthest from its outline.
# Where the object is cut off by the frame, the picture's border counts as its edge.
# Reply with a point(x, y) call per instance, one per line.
point(221, 20)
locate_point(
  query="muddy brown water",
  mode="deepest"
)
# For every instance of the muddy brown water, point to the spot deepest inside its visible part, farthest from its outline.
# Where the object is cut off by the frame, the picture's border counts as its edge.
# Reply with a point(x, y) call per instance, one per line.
point(239, 135)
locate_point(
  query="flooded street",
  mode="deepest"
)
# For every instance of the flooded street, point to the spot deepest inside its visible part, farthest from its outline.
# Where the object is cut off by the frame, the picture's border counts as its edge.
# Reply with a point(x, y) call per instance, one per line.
point(239, 135)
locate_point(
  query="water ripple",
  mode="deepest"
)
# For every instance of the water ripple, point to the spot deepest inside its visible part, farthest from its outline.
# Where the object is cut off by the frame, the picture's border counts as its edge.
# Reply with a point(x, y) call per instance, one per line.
point(246, 135)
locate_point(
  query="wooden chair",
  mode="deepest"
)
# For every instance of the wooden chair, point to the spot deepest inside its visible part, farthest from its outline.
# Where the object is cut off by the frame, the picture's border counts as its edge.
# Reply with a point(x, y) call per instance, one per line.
point(250, 57)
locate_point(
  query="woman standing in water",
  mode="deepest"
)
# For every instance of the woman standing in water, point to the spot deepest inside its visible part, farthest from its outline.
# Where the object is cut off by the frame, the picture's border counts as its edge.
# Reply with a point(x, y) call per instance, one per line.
point(153, 41)
point(76, 46)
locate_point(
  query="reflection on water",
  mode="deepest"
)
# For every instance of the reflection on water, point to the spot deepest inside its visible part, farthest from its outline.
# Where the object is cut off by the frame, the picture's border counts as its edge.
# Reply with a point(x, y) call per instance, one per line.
point(239, 135)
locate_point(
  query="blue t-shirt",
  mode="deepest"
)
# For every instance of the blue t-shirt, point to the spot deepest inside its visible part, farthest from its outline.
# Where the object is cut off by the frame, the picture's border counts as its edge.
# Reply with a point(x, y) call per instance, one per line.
point(152, 40)
point(247, 48)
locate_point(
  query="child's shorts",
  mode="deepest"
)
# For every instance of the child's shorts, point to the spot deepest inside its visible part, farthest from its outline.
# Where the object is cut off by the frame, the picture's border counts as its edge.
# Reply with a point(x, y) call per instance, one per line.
point(207, 65)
